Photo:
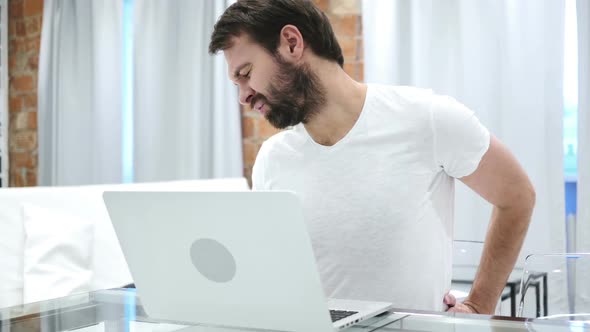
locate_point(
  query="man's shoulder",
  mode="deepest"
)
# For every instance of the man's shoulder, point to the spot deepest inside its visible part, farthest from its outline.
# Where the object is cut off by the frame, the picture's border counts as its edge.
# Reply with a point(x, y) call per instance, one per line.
point(397, 98)
point(398, 103)
point(284, 141)
point(404, 93)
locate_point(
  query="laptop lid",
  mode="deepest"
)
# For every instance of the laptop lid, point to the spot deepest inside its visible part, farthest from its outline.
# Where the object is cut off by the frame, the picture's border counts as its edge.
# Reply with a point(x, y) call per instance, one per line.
point(221, 258)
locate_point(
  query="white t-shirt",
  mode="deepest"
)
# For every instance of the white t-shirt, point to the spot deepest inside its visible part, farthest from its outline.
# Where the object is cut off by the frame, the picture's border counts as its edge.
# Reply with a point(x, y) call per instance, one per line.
point(379, 203)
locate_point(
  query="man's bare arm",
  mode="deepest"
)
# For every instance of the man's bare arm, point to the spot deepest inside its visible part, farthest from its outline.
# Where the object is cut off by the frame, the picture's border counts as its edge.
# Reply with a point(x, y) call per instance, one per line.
point(500, 180)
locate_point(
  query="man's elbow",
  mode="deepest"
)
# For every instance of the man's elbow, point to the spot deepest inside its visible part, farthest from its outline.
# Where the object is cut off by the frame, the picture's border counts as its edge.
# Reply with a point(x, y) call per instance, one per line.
point(521, 199)
point(525, 199)
point(531, 197)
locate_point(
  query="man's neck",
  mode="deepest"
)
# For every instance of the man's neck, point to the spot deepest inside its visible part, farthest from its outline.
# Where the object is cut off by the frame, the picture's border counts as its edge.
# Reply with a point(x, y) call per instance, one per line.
point(344, 102)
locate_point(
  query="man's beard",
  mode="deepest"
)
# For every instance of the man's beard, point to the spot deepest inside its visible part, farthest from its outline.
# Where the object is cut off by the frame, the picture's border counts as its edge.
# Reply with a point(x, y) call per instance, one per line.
point(296, 95)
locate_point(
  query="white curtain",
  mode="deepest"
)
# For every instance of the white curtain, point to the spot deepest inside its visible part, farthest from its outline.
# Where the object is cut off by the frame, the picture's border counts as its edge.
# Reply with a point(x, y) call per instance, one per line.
point(187, 118)
point(79, 92)
point(504, 60)
point(186, 113)
point(583, 212)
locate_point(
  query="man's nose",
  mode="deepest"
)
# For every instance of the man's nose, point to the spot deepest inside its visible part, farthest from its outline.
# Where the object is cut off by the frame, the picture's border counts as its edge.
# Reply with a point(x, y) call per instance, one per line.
point(246, 95)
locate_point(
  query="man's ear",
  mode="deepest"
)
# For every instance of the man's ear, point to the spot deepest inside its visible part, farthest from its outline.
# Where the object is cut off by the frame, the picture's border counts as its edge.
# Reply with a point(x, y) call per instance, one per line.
point(291, 44)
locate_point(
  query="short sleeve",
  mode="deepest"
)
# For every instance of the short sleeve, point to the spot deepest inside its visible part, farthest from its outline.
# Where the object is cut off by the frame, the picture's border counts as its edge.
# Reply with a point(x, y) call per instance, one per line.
point(460, 140)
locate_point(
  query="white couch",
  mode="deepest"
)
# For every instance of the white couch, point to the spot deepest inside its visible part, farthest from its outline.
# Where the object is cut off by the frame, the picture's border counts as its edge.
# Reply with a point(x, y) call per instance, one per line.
point(56, 241)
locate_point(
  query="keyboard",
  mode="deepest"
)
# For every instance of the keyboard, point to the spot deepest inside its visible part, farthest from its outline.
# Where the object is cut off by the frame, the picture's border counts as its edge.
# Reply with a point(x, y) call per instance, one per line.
point(339, 314)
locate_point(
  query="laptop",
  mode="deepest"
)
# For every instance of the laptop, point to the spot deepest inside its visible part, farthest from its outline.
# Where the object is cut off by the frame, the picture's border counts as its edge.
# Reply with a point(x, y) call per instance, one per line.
point(238, 259)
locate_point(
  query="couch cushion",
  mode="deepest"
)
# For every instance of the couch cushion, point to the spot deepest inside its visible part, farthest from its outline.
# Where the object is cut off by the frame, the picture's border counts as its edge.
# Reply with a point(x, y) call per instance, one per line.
point(11, 249)
point(85, 204)
point(12, 237)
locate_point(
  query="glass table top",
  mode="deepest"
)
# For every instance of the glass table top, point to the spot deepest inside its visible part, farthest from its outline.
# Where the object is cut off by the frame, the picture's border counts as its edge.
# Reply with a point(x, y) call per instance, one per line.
point(121, 310)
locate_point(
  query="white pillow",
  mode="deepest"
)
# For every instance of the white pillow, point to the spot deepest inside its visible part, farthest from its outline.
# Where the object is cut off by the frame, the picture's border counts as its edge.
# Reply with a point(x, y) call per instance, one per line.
point(57, 255)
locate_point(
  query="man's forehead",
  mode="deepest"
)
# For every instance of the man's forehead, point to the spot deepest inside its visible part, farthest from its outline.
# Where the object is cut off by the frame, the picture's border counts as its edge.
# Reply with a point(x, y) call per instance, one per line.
point(239, 46)
point(233, 50)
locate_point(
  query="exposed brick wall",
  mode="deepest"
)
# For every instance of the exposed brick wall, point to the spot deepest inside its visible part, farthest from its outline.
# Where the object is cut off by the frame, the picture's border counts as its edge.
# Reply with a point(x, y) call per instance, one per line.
point(345, 16)
point(24, 36)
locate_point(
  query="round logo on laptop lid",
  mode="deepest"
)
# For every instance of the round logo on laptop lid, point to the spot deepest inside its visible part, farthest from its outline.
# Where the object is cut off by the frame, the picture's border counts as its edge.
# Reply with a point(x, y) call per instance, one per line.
point(213, 260)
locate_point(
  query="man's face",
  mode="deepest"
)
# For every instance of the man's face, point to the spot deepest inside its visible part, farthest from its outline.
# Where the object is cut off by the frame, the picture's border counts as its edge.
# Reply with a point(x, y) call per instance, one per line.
point(285, 93)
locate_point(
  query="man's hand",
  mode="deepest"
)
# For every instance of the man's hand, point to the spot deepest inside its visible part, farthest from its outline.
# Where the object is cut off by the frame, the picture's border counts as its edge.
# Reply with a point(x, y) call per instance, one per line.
point(453, 306)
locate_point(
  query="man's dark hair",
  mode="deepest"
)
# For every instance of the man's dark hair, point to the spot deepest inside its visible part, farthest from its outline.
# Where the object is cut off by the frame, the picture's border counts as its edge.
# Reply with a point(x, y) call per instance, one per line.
point(263, 20)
